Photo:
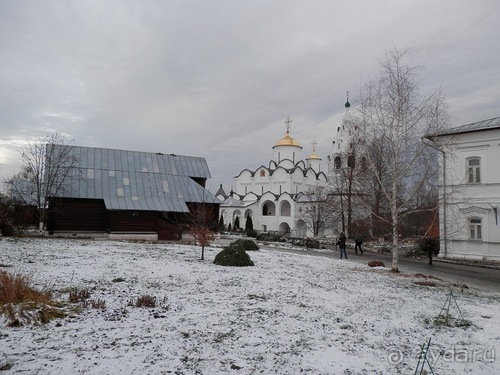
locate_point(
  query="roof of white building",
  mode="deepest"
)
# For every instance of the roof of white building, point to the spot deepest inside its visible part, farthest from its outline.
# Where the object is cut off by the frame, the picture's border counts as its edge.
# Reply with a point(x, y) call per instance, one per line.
point(492, 123)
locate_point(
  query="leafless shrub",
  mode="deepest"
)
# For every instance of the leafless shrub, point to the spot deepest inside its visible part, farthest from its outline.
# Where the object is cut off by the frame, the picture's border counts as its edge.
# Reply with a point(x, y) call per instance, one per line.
point(76, 295)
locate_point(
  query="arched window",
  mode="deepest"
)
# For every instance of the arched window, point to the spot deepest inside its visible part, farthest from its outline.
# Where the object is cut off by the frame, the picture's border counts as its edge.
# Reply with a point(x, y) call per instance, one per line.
point(285, 208)
point(364, 165)
point(269, 209)
point(337, 162)
point(284, 228)
point(473, 170)
point(350, 161)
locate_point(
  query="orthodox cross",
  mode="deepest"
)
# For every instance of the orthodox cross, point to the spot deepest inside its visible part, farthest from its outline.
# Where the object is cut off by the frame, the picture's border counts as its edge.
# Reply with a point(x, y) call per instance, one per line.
point(314, 143)
point(287, 122)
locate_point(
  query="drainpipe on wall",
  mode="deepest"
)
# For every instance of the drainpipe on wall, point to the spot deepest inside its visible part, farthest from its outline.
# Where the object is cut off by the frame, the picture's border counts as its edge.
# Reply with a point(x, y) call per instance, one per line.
point(445, 239)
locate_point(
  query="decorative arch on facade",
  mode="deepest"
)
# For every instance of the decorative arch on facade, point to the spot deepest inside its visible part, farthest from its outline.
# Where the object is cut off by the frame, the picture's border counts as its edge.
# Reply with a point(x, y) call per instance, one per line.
point(262, 171)
point(247, 172)
point(298, 173)
point(311, 174)
point(268, 208)
point(249, 197)
point(248, 213)
point(236, 214)
point(322, 177)
point(285, 208)
point(284, 228)
point(301, 164)
point(301, 228)
point(286, 163)
point(277, 170)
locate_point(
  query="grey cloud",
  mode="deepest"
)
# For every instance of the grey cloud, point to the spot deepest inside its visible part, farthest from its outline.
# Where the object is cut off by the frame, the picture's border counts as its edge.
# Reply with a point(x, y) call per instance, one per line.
point(218, 78)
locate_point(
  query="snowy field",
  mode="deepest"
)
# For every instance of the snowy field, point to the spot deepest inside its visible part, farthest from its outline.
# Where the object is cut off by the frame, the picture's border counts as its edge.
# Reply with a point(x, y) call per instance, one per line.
point(290, 314)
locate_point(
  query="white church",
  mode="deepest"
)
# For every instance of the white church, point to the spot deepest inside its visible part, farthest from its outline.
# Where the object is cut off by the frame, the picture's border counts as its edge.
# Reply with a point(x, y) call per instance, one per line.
point(269, 194)
point(272, 195)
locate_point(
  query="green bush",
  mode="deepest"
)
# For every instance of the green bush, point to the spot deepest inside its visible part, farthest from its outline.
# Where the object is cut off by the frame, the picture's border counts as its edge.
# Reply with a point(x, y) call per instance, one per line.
point(306, 242)
point(251, 233)
point(244, 244)
point(312, 243)
point(271, 237)
point(233, 257)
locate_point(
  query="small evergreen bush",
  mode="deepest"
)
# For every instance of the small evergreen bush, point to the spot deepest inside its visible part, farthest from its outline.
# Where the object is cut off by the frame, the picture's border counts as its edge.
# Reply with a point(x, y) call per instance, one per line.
point(244, 244)
point(312, 243)
point(271, 237)
point(234, 257)
point(306, 242)
point(251, 233)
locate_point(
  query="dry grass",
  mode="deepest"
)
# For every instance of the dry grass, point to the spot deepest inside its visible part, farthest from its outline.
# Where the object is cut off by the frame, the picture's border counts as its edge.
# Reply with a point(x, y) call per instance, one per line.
point(99, 304)
point(22, 304)
point(76, 295)
point(82, 297)
point(146, 301)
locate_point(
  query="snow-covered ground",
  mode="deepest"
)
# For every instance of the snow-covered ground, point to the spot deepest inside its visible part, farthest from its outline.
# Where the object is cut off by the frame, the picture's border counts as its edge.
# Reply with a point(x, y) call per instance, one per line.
point(289, 314)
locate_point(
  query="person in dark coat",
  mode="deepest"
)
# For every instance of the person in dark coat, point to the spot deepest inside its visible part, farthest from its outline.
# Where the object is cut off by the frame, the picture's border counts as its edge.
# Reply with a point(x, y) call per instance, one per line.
point(342, 245)
point(358, 241)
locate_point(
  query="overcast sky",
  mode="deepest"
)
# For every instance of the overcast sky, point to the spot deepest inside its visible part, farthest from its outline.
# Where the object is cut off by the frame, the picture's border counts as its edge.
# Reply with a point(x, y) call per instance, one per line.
point(218, 78)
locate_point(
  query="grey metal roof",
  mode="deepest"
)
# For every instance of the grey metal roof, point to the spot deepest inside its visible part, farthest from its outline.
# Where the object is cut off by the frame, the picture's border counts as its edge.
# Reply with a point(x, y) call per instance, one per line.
point(132, 180)
point(491, 123)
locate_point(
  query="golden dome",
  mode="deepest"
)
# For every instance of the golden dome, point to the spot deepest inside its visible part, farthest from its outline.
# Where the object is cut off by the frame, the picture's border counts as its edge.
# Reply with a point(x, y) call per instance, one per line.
point(314, 156)
point(287, 140)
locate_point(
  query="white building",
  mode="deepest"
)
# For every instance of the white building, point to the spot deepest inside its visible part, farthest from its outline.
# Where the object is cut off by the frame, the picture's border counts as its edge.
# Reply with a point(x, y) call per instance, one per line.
point(347, 170)
point(269, 194)
point(470, 190)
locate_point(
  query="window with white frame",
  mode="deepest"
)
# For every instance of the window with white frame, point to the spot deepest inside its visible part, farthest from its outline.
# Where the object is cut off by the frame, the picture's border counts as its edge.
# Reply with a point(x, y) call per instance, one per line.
point(475, 229)
point(473, 170)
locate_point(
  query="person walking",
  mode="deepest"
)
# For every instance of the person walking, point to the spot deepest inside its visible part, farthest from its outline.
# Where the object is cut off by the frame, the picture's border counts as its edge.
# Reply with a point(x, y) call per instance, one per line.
point(342, 245)
point(358, 241)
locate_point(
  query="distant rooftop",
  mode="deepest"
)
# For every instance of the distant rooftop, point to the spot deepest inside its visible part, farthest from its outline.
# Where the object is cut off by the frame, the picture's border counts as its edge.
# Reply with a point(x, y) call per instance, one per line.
point(492, 123)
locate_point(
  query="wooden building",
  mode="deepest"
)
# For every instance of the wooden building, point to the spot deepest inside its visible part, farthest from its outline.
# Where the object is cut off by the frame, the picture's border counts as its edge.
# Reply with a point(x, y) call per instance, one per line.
point(132, 195)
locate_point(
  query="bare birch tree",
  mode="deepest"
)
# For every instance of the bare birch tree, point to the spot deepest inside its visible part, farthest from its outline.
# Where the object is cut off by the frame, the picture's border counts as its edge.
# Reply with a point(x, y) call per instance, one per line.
point(48, 163)
point(315, 209)
point(394, 116)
